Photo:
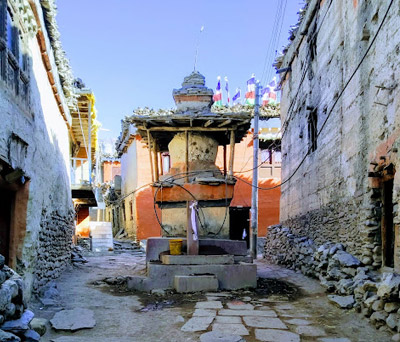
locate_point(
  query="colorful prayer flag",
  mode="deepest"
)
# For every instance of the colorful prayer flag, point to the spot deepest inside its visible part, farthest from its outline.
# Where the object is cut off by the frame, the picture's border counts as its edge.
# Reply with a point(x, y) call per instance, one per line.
point(251, 91)
point(218, 95)
point(236, 97)
point(272, 93)
point(265, 95)
point(269, 94)
point(227, 90)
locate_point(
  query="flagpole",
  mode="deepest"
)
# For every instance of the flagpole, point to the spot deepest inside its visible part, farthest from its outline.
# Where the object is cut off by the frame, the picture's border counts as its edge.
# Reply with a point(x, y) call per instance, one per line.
point(254, 191)
point(197, 48)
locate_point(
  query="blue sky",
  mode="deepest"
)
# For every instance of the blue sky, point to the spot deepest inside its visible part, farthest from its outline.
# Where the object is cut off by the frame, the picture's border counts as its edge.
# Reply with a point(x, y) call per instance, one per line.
point(132, 53)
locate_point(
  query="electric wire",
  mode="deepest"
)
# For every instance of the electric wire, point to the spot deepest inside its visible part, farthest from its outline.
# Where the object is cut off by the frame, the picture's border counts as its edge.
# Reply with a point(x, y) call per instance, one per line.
point(306, 68)
point(334, 104)
point(278, 20)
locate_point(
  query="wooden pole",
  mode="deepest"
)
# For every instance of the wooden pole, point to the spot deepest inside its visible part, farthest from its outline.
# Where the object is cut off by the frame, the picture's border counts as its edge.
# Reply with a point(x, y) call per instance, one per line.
point(161, 163)
point(151, 159)
point(224, 160)
point(89, 147)
point(187, 156)
point(157, 175)
point(231, 154)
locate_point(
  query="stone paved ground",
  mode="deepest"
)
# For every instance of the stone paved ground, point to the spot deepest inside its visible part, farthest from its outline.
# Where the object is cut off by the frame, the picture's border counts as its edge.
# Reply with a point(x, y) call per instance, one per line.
point(123, 316)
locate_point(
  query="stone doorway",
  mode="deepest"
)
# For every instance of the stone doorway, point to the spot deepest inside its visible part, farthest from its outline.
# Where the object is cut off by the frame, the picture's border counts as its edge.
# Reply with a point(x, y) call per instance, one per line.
point(239, 220)
point(388, 235)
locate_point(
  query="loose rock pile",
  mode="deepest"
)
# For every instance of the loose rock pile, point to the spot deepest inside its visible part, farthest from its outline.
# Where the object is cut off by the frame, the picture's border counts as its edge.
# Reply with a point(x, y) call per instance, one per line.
point(14, 318)
point(353, 284)
point(77, 255)
point(127, 246)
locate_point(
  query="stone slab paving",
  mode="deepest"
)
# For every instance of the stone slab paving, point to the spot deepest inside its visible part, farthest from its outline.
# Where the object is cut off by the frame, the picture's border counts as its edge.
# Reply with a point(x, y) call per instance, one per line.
point(298, 321)
point(308, 330)
point(294, 315)
point(273, 335)
point(264, 308)
point(284, 307)
point(238, 305)
point(204, 313)
point(209, 305)
point(264, 322)
point(271, 319)
point(218, 336)
point(228, 319)
point(266, 313)
point(197, 324)
point(231, 328)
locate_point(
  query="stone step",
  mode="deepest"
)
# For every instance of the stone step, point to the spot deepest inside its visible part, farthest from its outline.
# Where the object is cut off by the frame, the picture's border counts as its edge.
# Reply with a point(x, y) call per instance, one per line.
point(168, 259)
point(195, 283)
point(230, 276)
point(155, 246)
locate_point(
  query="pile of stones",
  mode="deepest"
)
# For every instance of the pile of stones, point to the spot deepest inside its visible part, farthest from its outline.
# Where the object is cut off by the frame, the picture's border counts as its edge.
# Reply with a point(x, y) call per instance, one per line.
point(77, 255)
point(352, 284)
point(14, 317)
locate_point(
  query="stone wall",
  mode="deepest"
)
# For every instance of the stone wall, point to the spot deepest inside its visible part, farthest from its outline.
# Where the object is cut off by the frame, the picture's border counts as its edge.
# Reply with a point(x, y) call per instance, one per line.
point(34, 138)
point(350, 282)
point(54, 249)
point(331, 197)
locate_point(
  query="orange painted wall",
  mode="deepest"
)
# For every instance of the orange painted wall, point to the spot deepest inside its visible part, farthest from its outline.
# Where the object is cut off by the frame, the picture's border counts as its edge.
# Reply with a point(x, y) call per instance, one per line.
point(111, 169)
point(268, 201)
point(82, 222)
point(147, 224)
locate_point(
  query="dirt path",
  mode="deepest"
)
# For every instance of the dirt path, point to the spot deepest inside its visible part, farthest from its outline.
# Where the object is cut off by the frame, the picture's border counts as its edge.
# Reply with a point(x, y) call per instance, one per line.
point(119, 317)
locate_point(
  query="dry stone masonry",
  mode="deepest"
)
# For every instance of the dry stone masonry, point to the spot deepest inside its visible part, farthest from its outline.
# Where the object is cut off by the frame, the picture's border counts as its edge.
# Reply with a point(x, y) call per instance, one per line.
point(351, 283)
point(54, 252)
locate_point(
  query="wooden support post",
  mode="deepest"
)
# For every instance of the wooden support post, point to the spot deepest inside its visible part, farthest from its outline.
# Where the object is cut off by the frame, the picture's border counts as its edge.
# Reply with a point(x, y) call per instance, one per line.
point(161, 163)
point(151, 159)
point(187, 156)
point(231, 154)
point(157, 175)
point(224, 160)
point(192, 245)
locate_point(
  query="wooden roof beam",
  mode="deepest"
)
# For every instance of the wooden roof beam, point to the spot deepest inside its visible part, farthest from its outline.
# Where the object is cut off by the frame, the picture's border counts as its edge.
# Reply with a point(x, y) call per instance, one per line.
point(224, 123)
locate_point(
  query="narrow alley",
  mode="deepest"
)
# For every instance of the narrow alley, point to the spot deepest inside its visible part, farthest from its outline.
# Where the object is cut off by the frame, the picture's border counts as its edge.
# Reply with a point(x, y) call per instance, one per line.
point(290, 302)
point(210, 171)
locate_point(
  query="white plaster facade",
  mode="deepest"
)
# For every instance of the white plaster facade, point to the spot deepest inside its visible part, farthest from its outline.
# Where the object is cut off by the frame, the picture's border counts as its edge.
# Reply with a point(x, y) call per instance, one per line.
point(38, 122)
